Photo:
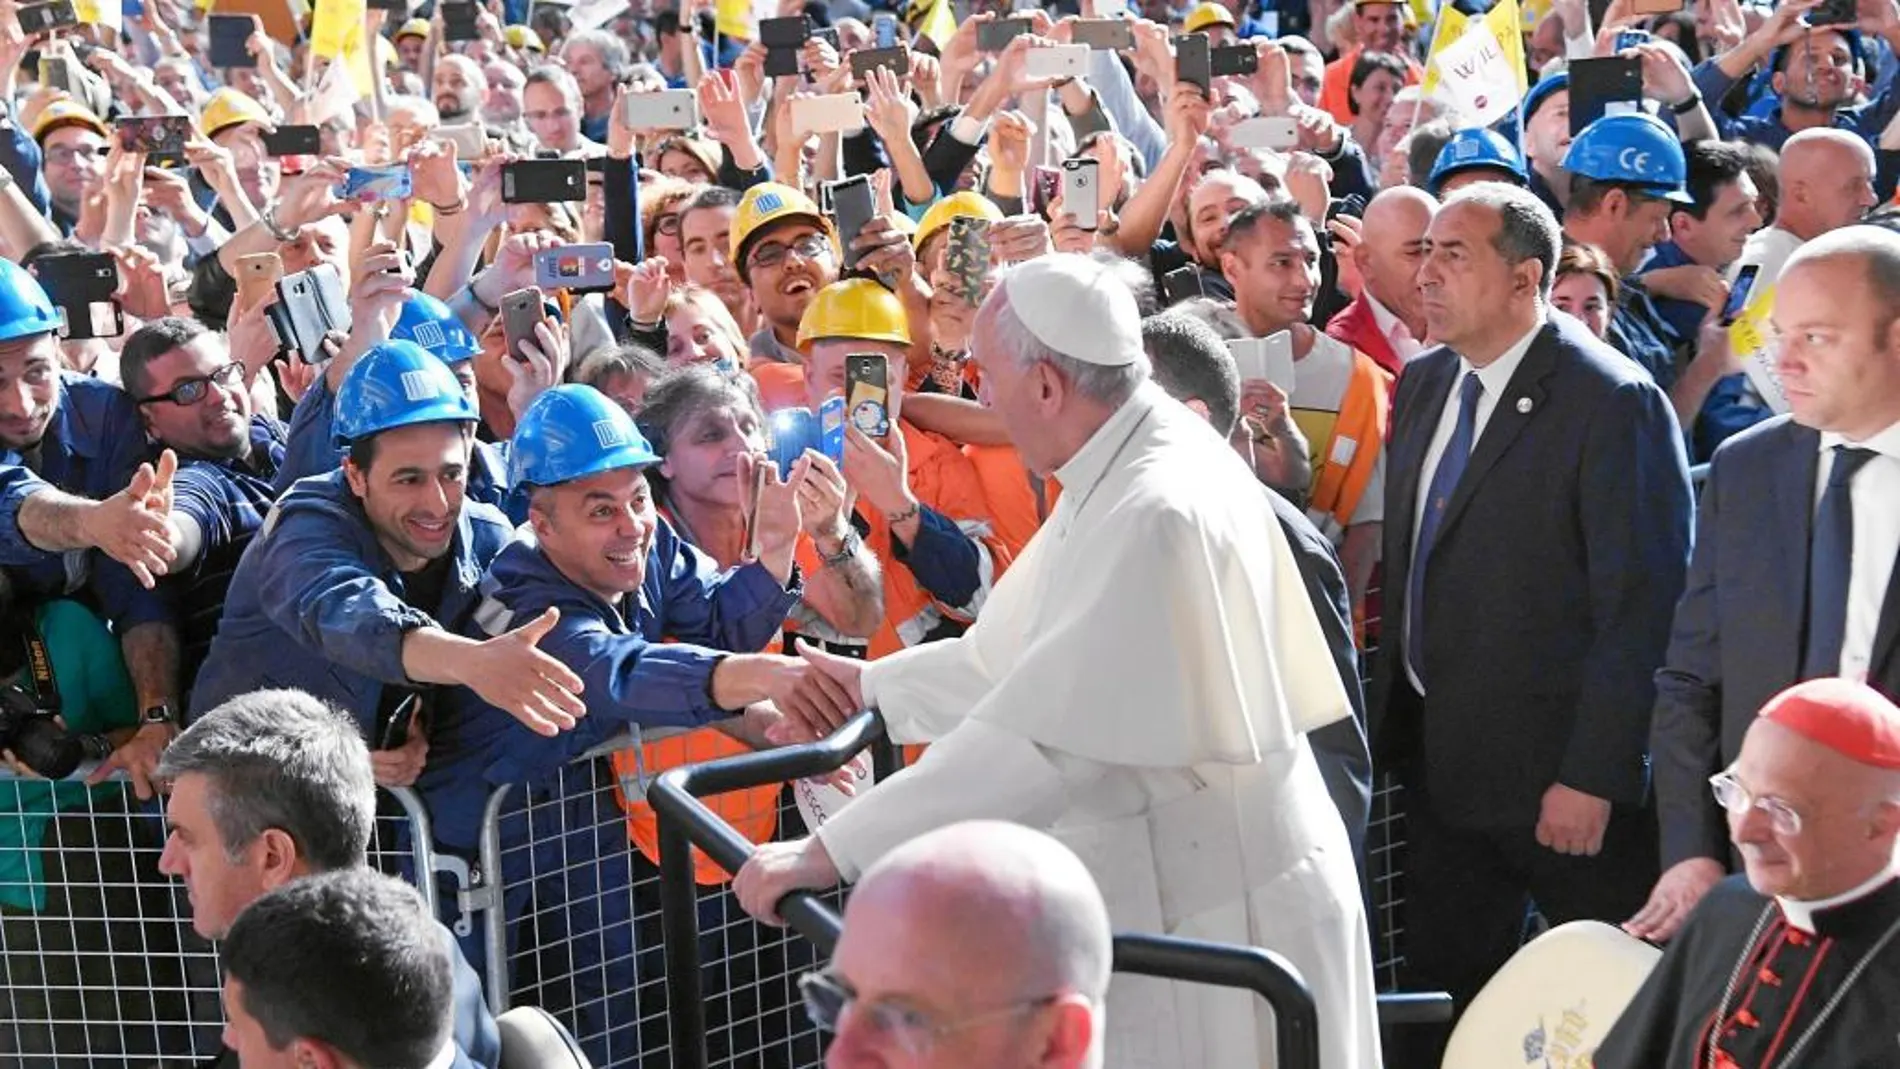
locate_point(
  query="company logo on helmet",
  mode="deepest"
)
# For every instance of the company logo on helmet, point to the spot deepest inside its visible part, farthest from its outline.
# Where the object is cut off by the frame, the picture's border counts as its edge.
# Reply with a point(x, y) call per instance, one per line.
point(768, 202)
point(1632, 160)
point(417, 386)
point(609, 434)
point(429, 336)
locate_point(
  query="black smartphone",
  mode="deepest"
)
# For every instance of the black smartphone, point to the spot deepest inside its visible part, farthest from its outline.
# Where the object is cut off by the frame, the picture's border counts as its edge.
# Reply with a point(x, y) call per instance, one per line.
point(1834, 13)
point(1181, 283)
point(1103, 35)
point(229, 36)
point(459, 22)
point(395, 733)
point(852, 205)
point(293, 141)
point(81, 286)
point(790, 32)
point(1596, 84)
point(1738, 292)
point(866, 60)
point(47, 17)
point(996, 35)
point(1233, 61)
point(521, 312)
point(154, 134)
point(1193, 61)
point(543, 181)
point(867, 393)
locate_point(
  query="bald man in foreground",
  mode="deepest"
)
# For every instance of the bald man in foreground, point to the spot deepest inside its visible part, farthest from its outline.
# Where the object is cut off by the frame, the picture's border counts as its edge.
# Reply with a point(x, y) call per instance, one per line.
point(1387, 320)
point(1827, 182)
point(980, 944)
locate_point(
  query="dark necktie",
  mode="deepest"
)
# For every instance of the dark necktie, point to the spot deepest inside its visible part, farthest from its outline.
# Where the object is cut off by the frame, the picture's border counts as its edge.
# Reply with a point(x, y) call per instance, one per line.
point(1830, 566)
point(1451, 467)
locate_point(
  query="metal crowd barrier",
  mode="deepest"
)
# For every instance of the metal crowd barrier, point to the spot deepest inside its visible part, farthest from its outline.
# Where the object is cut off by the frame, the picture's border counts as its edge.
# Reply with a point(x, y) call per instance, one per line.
point(572, 922)
point(686, 821)
point(99, 965)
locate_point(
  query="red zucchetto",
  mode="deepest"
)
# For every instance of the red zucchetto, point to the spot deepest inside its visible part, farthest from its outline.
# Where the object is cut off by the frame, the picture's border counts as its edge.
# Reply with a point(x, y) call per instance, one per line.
point(1852, 719)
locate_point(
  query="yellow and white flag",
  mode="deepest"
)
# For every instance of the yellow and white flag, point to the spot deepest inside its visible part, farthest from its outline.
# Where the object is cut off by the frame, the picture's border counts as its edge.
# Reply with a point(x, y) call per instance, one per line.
point(1477, 65)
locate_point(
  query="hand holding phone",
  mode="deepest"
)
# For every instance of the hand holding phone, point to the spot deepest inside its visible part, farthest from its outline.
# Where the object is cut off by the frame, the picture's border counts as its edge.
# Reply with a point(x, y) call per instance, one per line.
point(867, 393)
point(853, 204)
point(576, 268)
point(521, 312)
point(370, 184)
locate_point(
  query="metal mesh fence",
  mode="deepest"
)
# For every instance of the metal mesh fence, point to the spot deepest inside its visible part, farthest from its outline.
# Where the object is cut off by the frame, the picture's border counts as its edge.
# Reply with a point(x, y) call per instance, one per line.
point(579, 929)
point(99, 963)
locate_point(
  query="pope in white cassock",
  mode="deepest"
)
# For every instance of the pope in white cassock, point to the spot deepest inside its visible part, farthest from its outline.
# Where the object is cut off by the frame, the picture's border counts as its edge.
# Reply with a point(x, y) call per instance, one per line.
point(1139, 684)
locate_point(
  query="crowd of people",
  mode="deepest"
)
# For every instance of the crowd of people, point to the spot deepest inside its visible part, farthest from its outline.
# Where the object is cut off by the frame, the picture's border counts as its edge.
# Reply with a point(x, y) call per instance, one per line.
point(1174, 421)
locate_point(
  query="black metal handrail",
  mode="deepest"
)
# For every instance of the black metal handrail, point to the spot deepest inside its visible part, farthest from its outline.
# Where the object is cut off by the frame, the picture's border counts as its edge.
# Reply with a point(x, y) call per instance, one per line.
point(686, 822)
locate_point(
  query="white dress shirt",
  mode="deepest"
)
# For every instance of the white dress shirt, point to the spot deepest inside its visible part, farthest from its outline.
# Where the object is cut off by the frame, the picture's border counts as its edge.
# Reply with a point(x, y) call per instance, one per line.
point(1393, 330)
point(1876, 497)
point(1496, 379)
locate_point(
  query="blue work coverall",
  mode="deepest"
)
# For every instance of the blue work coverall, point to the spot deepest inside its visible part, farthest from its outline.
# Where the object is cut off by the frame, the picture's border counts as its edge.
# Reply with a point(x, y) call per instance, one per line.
point(568, 868)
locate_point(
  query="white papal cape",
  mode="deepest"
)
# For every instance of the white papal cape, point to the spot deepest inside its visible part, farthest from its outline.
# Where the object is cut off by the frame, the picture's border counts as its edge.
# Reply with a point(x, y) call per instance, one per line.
point(1139, 684)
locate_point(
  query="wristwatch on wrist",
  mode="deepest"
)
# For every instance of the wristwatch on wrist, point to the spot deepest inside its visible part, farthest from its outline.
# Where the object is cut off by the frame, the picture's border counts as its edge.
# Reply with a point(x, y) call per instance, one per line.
point(276, 229)
point(1689, 105)
point(848, 545)
point(159, 714)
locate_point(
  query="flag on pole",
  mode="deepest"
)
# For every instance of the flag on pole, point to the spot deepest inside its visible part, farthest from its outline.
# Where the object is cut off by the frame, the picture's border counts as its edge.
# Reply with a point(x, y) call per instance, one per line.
point(1451, 26)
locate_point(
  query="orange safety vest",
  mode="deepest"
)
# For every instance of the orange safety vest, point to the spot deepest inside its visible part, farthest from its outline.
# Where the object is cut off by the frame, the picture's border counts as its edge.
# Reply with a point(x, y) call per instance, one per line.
point(754, 811)
point(780, 385)
point(1359, 430)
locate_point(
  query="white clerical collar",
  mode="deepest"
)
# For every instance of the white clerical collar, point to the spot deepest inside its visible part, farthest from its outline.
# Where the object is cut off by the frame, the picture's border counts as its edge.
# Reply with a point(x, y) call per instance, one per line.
point(1800, 914)
point(1886, 443)
point(1091, 462)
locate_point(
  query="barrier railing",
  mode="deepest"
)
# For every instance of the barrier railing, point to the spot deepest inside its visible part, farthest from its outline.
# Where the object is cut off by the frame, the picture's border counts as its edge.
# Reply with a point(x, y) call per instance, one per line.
point(686, 821)
point(99, 963)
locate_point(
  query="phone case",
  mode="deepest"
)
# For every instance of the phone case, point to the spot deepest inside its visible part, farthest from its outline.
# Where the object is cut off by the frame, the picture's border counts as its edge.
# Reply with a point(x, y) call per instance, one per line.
point(794, 430)
point(1081, 193)
point(1233, 61)
point(78, 277)
point(897, 58)
point(229, 33)
point(521, 312)
point(257, 274)
point(669, 109)
point(1193, 63)
point(367, 184)
point(789, 32)
point(293, 141)
point(831, 416)
point(967, 256)
point(884, 29)
point(54, 15)
point(576, 268)
point(1597, 83)
point(299, 316)
point(1277, 132)
point(867, 390)
point(852, 205)
point(543, 181)
point(469, 140)
point(1048, 182)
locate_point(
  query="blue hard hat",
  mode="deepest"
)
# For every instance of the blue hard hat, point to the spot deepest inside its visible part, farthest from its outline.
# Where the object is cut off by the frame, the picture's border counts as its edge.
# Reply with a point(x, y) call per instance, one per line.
point(1633, 150)
point(1474, 149)
point(25, 310)
point(1547, 86)
point(571, 432)
point(398, 384)
point(431, 324)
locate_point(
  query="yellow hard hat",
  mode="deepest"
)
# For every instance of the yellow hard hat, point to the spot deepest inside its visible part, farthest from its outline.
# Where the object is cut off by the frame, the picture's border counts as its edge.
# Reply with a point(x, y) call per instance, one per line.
point(854, 308)
point(66, 112)
point(964, 205)
point(230, 107)
point(412, 28)
point(1207, 14)
point(765, 204)
point(523, 38)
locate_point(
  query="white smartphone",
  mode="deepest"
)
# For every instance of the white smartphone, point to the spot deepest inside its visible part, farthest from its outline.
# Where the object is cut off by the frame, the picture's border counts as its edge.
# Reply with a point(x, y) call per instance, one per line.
point(833, 113)
point(1081, 190)
point(1277, 132)
point(469, 141)
point(1056, 61)
point(668, 109)
point(1269, 358)
point(1109, 9)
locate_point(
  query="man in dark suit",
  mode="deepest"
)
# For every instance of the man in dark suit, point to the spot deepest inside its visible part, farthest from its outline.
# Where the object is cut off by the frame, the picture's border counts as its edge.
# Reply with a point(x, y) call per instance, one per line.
point(1776, 594)
point(1538, 511)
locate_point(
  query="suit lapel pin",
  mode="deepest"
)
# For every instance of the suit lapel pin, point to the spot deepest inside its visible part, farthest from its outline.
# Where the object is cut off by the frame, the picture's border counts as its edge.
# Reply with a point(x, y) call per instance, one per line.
point(1523, 406)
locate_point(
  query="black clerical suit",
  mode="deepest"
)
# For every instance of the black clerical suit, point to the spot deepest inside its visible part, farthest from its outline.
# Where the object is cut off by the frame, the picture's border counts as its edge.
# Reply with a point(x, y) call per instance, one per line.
point(1784, 979)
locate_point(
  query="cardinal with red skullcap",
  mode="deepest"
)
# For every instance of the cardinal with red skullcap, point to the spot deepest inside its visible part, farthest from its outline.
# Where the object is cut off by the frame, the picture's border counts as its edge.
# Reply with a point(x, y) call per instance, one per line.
point(1795, 962)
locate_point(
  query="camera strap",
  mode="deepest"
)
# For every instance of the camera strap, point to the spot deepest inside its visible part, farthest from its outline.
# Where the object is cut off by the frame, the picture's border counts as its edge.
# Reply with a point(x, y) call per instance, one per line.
point(39, 663)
